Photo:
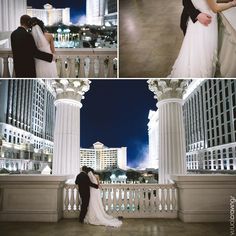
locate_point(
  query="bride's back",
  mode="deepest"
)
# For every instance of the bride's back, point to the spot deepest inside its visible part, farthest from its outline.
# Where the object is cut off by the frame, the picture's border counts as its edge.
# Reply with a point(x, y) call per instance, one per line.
point(202, 5)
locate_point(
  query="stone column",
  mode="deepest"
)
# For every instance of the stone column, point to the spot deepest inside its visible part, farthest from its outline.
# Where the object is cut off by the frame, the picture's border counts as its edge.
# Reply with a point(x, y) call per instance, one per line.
point(171, 136)
point(66, 154)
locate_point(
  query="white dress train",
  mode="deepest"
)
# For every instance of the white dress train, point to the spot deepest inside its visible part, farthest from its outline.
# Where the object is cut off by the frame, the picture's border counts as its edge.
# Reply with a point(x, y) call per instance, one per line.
point(44, 69)
point(96, 214)
point(198, 55)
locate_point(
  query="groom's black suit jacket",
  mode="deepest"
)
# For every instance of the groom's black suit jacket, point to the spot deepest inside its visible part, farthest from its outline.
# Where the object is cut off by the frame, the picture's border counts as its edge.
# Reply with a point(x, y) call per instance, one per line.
point(24, 51)
point(84, 183)
point(188, 11)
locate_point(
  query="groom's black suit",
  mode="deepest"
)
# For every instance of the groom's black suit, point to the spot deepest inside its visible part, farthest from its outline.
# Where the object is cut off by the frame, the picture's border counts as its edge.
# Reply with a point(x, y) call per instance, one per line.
point(84, 183)
point(24, 51)
point(188, 11)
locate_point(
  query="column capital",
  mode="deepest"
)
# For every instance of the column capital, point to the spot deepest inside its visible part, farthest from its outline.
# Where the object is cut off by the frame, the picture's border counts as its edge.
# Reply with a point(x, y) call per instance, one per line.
point(70, 90)
point(164, 89)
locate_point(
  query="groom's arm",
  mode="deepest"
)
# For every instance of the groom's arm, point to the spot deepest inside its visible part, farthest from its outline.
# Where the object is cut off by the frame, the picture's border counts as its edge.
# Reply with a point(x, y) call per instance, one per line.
point(37, 53)
point(92, 184)
point(192, 11)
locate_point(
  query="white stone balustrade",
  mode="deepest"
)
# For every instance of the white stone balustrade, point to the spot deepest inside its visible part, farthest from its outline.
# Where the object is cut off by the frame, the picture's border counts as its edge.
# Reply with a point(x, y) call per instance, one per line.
point(192, 198)
point(205, 198)
point(72, 63)
point(128, 200)
point(31, 198)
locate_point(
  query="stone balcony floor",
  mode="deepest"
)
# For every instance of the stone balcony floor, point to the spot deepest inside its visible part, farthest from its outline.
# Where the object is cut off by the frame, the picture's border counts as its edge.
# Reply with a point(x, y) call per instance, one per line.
point(130, 227)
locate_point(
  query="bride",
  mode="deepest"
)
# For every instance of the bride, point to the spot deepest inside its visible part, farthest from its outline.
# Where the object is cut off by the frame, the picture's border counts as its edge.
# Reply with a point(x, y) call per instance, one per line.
point(96, 214)
point(44, 42)
point(198, 54)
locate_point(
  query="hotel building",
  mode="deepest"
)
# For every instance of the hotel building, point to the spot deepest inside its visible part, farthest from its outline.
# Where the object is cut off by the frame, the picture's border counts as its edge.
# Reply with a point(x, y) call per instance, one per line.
point(27, 115)
point(210, 125)
point(50, 15)
point(100, 157)
point(101, 12)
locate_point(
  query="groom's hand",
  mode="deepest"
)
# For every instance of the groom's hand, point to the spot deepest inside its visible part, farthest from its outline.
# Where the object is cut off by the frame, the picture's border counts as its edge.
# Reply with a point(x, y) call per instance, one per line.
point(204, 19)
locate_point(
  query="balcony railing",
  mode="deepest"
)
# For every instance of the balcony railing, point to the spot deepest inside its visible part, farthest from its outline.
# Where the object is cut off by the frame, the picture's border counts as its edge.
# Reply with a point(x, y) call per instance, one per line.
point(39, 198)
point(128, 200)
point(72, 63)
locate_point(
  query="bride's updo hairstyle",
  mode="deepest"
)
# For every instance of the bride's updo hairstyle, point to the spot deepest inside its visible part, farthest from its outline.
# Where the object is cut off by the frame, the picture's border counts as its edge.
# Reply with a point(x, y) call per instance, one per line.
point(92, 170)
point(36, 21)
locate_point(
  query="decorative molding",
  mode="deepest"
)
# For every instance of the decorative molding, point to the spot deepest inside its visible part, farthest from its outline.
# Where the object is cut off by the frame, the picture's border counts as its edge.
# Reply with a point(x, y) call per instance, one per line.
point(166, 88)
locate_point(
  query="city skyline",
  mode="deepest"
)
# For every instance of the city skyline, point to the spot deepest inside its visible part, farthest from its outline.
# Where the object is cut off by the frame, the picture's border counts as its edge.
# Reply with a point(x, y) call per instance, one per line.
point(77, 8)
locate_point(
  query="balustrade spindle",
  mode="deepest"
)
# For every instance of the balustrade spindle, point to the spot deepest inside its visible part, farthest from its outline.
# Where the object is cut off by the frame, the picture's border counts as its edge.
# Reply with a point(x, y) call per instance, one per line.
point(6, 73)
point(141, 203)
point(114, 200)
point(77, 201)
point(136, 199)
point(120, 198)
point(162, 199)
point(101, 73)
point(59, 66)
point(168, 199)
point(146, 200)
point(81, 67)
point(72, 198)
point(11, 67)
point(91, 68)
point(1, 67)
point(67, 198)
point(64, 68)
point(174, 201)
point(109, 200)
point(125, 199)
point(71, 67)
point(110, 68)
point(152, 206)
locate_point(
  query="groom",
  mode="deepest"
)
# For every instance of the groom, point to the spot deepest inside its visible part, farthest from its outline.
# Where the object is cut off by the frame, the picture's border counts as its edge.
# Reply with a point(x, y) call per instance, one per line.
point(195, 15)
point(84, 183)
point(24, 50)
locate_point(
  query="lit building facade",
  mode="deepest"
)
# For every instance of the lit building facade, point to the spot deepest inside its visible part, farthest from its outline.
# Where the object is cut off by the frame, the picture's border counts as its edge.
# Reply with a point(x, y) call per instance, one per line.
point(27, 116)
point(101, 12)
point(210, 125)
point(153, 161)
point(101, 157)
point(51, 16)
point(110, 17)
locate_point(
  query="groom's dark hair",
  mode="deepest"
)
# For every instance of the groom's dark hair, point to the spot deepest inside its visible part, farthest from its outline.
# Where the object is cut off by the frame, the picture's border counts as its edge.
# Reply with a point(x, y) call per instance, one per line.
point(85, 169)
point(25, 20)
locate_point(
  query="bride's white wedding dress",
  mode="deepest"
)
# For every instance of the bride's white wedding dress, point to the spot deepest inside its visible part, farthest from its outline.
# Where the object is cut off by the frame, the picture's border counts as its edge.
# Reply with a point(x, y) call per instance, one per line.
point(96, 214)
point(44, 69)
point(198, 55)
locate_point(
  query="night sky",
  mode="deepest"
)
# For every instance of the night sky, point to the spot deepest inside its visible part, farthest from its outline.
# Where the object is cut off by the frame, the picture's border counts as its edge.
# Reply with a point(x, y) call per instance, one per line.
point(115, 112)
point(77, 7)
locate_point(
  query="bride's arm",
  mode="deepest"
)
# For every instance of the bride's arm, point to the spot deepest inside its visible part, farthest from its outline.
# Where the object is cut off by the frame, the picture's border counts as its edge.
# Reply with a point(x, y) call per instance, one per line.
point(218, 7)
point(52, 47)
point(98, 180)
